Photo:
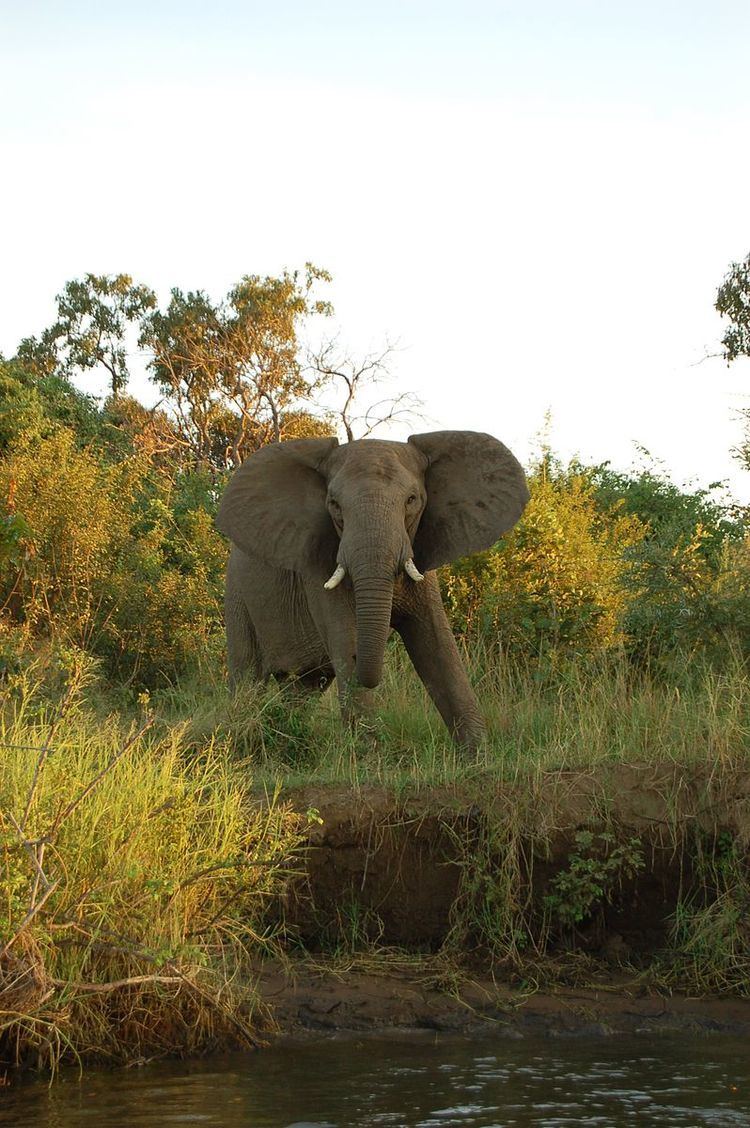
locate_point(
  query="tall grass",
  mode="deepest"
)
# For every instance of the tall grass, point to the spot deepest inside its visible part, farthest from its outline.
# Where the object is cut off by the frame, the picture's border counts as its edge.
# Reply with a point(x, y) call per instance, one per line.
point(134, 883)
point(538, 719)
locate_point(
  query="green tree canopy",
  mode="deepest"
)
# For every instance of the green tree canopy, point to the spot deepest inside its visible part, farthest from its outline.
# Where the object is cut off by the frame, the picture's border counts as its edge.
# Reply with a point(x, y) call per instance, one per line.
point(733, 302)
point(35, 401)
point(229, 372)
point(93, 316)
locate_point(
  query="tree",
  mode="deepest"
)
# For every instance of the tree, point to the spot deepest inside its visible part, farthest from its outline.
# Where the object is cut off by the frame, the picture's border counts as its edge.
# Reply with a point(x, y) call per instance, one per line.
point(353, 377)
point(186, 347)
point(35, 402)
point(128, 427)
point(93, 316)
point(38, 355)
point(733, 302)
point(231, 371)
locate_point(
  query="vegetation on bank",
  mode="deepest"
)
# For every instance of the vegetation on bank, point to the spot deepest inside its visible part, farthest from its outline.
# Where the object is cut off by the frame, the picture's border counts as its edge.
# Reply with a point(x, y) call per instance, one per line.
point(135, 879)
point(146, 840)
point(148, 854)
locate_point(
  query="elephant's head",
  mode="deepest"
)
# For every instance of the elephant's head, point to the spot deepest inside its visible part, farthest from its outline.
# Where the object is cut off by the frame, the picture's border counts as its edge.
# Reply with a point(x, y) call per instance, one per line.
point(373, 509)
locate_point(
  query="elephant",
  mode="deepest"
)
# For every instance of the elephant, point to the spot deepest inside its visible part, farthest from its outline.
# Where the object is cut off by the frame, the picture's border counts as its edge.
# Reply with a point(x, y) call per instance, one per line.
point(335, 544)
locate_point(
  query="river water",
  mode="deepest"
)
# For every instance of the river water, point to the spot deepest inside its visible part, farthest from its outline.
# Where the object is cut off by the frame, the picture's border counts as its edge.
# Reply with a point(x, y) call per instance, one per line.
point(410, 1082)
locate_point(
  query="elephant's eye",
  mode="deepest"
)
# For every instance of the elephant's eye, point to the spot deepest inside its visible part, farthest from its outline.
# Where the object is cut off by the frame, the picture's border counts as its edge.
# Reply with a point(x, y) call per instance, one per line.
point(411, 499)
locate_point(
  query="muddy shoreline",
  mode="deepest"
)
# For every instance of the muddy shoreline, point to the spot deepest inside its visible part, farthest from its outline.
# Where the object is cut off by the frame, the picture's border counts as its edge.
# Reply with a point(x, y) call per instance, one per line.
point(309, 1001)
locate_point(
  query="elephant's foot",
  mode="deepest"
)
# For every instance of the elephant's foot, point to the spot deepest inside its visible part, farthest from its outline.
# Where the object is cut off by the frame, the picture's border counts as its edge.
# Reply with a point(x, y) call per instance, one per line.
point(470, 734)
point(357, 705)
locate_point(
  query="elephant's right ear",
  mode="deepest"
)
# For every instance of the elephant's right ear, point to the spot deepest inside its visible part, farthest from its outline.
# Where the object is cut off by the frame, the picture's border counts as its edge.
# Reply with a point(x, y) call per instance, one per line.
point(275, 506)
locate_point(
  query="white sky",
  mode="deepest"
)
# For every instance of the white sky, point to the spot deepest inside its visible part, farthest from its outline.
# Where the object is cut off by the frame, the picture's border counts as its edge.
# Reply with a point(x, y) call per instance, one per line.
point(537, 199)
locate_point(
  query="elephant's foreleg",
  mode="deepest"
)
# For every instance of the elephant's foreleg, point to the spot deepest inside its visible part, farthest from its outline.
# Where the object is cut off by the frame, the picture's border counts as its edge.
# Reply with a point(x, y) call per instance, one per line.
point(243, 653)
point(356, 702)
point(432, 648)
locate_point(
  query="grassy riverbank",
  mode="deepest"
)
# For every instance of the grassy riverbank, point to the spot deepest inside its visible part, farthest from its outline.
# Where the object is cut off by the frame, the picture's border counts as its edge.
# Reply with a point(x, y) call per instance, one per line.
point(578, 714)
point(154, 850)
point(135, 874)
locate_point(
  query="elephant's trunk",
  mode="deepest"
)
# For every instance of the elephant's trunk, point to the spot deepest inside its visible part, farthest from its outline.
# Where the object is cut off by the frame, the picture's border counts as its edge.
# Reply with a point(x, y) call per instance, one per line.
point(374, 599)
point(374, 547)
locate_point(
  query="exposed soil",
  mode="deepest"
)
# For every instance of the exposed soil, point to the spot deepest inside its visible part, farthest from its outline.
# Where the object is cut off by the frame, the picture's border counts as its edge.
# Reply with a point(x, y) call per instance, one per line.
point(413, 872)
point(309, 1001)
point(388, 867)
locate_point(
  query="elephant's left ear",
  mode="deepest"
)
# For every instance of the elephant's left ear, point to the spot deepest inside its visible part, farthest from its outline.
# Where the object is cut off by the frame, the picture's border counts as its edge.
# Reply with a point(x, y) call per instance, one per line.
point(476, 491)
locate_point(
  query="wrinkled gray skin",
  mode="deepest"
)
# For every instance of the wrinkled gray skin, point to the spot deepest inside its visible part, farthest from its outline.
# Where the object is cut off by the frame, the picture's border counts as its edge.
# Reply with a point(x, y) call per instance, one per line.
point(295, 510)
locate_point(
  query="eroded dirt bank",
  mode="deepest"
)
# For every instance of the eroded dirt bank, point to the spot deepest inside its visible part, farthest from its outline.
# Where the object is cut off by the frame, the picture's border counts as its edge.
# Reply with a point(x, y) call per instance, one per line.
point(313, 1001)
point(617, 897)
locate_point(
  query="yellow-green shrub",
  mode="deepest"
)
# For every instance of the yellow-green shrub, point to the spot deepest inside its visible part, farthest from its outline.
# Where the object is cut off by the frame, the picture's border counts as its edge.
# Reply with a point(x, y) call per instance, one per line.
point(77, 512)
point(557, 581)
point(119, 559)
point(168, 588)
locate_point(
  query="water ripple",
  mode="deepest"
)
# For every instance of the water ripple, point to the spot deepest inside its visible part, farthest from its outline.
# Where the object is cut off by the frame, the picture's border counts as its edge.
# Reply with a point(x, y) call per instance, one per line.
point(675, 1082)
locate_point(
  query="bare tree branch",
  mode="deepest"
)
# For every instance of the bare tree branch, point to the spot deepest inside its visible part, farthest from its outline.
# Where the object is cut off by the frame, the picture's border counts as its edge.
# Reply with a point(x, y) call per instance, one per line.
point(356, 378)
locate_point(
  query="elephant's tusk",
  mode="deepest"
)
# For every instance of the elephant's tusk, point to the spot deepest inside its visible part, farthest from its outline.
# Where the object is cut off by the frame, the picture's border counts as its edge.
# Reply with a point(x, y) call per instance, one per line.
point(336, 578)
point(412, 571)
